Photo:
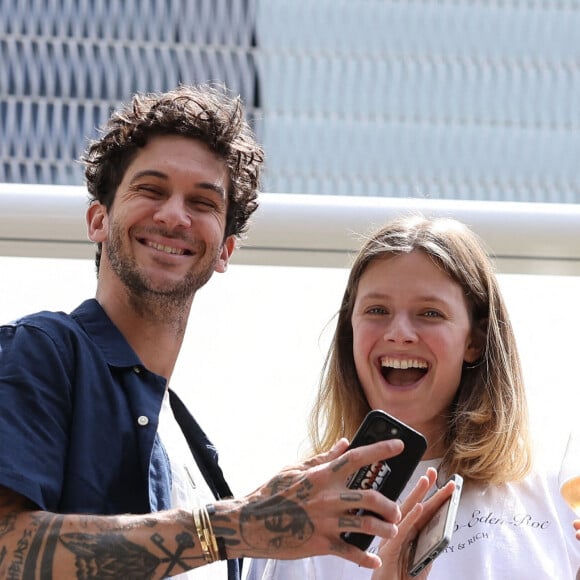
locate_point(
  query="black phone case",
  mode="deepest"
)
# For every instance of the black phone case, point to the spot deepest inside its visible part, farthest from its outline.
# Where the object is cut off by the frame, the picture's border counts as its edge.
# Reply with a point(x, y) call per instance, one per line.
point(391, 475)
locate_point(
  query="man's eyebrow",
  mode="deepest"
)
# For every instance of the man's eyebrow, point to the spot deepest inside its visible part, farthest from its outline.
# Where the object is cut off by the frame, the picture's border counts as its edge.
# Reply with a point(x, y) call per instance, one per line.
point(161, 175)
point(217, 188)
point(149, 173)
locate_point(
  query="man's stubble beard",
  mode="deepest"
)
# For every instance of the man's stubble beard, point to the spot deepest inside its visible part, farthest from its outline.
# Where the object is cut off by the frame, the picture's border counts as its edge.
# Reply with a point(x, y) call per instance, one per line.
point(166, 303)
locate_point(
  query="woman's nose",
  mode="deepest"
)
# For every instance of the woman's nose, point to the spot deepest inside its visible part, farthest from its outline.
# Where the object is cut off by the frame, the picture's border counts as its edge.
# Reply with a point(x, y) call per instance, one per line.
point(400, 329)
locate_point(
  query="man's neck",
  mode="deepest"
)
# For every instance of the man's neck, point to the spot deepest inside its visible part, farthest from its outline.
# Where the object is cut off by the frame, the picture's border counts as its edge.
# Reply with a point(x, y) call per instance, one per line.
point(155, 332)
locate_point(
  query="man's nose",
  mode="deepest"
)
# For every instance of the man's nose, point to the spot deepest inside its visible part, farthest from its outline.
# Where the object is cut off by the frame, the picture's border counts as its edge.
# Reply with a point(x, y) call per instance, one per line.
point(173, 212)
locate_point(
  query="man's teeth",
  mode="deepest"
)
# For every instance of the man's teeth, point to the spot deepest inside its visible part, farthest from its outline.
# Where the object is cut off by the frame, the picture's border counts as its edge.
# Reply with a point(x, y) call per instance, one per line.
point(397, 363)
point(166, 249)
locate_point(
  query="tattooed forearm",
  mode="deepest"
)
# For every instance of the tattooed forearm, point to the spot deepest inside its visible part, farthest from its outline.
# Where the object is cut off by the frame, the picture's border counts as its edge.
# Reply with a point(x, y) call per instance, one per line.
point(18, 557)
point(7, 524)
point(109, 556)
point(49, 546)
point(21, 560)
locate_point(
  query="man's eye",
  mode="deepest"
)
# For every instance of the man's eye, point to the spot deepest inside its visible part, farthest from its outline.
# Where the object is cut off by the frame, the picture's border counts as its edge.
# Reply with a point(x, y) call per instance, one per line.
point(149, 190)
point(203, 203)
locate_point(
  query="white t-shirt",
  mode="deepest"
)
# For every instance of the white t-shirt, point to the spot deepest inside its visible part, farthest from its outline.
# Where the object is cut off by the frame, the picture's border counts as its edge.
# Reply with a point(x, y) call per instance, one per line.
point(517, 531)
point(188, 487)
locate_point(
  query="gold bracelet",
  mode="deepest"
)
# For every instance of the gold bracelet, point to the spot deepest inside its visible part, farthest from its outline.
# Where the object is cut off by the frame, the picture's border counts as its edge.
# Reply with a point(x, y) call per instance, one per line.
point(200, 519)
point(221, 545)
point(210, 536)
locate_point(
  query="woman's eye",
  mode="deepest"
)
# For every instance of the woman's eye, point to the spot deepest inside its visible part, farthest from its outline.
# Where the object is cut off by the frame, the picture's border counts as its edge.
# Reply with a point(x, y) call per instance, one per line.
point(432, 314)
point(376, 310)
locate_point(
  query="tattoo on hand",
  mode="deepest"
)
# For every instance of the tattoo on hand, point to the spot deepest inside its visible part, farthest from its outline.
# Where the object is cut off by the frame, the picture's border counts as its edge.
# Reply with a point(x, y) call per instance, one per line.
point(339, 464)
point(351, 496)
point(281, 483)
point(222, 527)
point(283, 524)
point(349, 522)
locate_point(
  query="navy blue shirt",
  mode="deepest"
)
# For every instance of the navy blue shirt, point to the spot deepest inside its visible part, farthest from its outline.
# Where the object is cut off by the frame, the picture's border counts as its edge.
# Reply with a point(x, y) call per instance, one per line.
point(79, 415)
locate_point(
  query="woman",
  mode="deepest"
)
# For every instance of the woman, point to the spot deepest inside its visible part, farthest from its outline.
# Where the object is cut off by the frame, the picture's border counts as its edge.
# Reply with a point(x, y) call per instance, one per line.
point(423, 333)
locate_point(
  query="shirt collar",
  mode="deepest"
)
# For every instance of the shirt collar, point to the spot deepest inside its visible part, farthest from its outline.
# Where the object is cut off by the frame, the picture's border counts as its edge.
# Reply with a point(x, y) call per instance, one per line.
point(95, 322)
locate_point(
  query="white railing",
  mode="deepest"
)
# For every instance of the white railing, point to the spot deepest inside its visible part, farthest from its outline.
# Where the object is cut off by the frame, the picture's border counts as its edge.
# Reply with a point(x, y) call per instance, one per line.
point(310, 230)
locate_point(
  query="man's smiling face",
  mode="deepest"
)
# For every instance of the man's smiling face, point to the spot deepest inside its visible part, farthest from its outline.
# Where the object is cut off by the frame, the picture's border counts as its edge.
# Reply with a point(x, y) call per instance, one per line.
point(164, 234)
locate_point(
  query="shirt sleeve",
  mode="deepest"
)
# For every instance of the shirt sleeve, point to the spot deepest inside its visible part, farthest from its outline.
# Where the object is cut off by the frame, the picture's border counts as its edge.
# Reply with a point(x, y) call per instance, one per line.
point(35, 402)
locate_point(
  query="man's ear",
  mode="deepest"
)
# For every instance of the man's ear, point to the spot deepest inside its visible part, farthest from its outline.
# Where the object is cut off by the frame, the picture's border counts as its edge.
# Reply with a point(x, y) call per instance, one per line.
point(476, 342)
point(228, 248)
point(97, 222)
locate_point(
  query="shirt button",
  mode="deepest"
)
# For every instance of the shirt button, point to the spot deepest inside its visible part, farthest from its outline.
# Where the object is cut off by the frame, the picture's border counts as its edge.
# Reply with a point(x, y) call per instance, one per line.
point(136, 370)
point(142, 420)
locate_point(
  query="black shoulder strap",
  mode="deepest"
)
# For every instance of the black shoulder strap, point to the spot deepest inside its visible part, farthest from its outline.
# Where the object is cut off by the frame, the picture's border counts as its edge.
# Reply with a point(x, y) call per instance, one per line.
point(206, 457)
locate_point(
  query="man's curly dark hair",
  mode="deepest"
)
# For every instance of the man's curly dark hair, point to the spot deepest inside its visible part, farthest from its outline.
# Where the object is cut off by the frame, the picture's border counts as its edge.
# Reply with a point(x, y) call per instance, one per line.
point(202, 112)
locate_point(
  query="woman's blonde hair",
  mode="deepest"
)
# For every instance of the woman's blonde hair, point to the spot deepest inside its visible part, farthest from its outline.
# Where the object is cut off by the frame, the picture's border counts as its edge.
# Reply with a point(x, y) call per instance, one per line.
point(487, 437)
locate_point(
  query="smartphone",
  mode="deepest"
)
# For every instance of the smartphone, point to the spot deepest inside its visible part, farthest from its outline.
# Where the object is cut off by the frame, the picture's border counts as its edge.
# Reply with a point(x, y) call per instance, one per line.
point(389, 476)
point(435, 536)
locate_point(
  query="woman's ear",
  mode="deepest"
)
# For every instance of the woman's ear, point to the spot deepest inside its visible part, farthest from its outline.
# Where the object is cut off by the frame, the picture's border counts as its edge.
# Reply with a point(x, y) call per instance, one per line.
point(97, 222)
point(476, 342)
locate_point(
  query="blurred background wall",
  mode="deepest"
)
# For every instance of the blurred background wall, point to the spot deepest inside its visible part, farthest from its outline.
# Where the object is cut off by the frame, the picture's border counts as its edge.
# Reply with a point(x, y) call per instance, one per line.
point(456, 99)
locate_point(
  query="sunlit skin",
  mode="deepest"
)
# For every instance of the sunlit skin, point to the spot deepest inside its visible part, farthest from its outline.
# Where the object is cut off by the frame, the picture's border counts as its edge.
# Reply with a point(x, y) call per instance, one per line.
point(408, 308)
point(162, 240)
point(168, 219)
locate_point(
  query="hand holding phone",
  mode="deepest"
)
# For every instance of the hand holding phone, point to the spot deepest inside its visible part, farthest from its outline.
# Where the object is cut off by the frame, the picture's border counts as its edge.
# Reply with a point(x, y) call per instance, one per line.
point(435, 535)
point(387, 476)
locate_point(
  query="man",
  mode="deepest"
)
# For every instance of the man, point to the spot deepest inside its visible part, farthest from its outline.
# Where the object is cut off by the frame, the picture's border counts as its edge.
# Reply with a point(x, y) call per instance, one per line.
point(90, 431)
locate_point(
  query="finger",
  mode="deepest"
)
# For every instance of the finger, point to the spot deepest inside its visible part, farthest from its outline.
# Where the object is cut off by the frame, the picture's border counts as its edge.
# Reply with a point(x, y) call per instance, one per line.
point(418, 493)
point(357, 502)
point(356, 555)
point(406, 531)
point(408, 526)
point(354, 459)
point(435, 502)
point(365, 522)
point(327, 456)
